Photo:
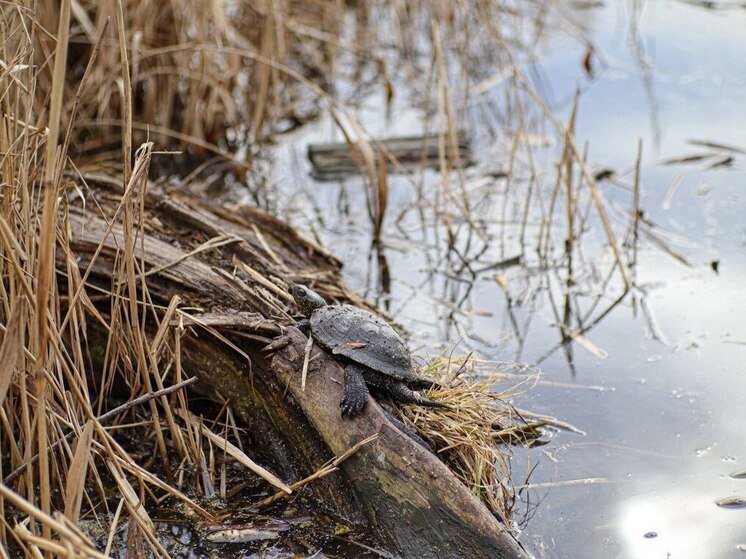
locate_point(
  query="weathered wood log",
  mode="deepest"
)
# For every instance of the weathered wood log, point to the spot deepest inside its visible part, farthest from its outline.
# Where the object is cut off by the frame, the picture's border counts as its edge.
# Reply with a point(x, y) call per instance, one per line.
point(410, 497)
point(331, 161)
point(404, 493)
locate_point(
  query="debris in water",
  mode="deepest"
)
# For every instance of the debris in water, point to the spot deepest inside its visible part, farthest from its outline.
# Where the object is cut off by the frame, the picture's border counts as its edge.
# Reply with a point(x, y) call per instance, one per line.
point(332, 161)
point(246, 533)
point(732, 503)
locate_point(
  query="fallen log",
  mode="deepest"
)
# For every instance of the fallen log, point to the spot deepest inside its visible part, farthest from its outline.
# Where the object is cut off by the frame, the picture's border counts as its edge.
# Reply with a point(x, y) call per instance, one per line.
point(407, 497)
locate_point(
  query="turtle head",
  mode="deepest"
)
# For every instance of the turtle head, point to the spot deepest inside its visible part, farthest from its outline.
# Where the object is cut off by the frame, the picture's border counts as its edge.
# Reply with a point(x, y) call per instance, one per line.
point(306, 299)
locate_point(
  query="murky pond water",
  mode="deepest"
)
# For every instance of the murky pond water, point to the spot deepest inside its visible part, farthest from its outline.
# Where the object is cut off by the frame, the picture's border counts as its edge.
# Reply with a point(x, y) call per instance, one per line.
point(663, 413)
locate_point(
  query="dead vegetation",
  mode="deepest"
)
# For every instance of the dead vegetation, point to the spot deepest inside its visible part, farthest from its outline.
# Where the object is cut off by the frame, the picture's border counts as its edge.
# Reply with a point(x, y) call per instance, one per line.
point(205, 74)
point(184, 69)
point(472, 437)
point(214, 80)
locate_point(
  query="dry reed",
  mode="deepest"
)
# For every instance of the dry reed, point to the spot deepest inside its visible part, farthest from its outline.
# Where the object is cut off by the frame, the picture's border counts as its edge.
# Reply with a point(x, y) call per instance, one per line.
point(471, 437)
point(167, 65)
point(212, 76)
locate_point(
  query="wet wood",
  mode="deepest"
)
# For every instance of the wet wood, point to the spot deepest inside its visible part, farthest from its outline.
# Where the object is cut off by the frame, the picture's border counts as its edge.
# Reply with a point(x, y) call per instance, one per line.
point(410, 497)
point(395, 486)
point(332, 161)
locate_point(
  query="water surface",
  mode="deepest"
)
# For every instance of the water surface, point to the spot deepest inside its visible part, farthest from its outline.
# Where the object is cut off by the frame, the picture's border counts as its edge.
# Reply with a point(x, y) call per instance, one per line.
point(663, 413)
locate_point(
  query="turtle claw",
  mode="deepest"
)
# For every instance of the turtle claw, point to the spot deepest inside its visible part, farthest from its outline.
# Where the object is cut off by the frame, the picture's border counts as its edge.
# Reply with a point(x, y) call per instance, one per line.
point(355, 393)
point(352, 406)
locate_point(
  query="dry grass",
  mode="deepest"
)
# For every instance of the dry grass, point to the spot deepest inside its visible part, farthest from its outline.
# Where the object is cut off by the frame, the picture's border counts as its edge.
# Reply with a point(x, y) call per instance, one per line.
point(472, 436)
point(207, 75)
point(186, 69)
point(193, 69)
point(203, 77)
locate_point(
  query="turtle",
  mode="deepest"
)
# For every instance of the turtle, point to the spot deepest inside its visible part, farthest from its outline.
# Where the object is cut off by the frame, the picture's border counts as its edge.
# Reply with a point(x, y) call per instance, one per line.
point(373, 353)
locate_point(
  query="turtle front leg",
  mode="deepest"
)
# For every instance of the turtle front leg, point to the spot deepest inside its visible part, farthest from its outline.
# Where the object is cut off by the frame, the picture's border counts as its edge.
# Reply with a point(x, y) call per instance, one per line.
point(355, 394)
point(304, 326)
point(400, 392)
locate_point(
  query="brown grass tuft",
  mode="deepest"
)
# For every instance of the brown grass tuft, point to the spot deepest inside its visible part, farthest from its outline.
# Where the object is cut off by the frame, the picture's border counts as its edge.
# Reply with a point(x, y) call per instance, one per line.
point(472, 436)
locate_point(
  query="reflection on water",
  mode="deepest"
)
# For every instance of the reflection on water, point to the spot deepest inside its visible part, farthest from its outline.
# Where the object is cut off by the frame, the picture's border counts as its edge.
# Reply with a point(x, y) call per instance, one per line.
point(656, 380)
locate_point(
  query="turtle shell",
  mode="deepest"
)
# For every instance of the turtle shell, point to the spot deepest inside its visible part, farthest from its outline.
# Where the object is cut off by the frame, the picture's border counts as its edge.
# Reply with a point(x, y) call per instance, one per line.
point(364, 338)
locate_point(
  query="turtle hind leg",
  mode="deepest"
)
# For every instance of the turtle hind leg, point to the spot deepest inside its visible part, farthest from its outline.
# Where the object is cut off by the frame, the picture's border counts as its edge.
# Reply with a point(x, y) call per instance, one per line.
point(355, 394)
point(400, 392)
point(426, 384)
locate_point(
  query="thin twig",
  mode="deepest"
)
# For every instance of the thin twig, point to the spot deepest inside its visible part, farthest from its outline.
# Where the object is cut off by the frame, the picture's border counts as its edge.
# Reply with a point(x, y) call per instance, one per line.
point(327, 469)
point(15, 474)
point(306, 360)
point(235, 452)
point(215, 242)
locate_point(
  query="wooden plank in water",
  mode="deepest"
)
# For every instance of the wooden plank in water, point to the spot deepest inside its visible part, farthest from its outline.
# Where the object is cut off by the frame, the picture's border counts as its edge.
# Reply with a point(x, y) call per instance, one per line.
point(339, 159)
